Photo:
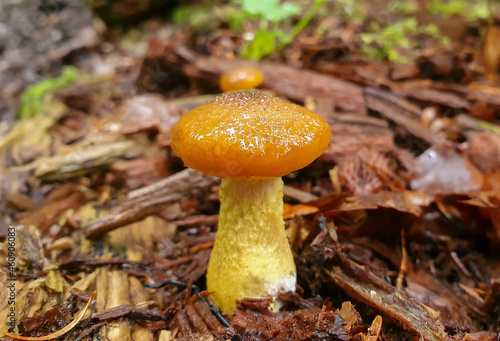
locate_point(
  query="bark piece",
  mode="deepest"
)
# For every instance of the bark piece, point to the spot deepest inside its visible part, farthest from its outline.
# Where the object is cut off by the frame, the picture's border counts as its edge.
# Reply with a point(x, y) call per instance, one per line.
point(410, 314)
point(196, 320)
point(113, 313)
point(403, 71)
point(301, 325)
point(349, 136)
point(438, 97)
point(139, 172)
point(383, 103)
point(210, 320)
point(183, 323)
point(453, 308)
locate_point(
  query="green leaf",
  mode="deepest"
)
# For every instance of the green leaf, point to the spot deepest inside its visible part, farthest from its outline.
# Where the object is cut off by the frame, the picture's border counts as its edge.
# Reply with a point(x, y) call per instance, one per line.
point(285, 11)
point(263, 44)
point(481, 10)
point(409, 24)
point(270, 10)
point(432, 30)
point(260, 8)
point(375, 26)
point(273, 12)
point(283, 38)
point(367, 38)
point(444, 40)
point(405, 43)
point(373, 52)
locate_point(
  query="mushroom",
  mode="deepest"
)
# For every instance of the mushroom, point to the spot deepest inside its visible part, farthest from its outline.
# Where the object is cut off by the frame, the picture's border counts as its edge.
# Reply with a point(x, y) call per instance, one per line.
point(250, 139)
point(242, 78)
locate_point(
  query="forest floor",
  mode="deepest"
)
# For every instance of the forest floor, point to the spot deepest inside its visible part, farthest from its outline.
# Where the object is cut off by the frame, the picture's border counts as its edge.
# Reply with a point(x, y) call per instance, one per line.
point(395, 229)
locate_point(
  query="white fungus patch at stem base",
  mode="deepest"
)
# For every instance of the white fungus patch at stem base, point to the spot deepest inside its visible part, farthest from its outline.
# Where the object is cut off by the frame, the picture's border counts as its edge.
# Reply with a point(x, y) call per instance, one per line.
point(251, 257)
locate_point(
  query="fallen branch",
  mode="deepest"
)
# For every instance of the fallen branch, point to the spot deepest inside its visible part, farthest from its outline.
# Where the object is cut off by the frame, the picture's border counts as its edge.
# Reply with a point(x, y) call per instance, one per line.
point(149, 200)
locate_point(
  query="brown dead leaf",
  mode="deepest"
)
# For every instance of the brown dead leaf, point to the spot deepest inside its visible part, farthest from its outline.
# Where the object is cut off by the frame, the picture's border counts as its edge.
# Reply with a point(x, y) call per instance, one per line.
point(292, 211)
point(49, 214)
point(408, 201)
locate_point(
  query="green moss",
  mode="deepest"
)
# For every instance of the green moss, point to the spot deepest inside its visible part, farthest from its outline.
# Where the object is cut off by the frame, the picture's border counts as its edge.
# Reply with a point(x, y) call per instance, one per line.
point(390, 41)
point(470, 9)
point(32, 97)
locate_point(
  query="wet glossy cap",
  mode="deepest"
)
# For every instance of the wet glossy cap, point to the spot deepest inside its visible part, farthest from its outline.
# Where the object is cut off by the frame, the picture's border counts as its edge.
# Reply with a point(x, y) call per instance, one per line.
point(244, 134)
point(242, 78)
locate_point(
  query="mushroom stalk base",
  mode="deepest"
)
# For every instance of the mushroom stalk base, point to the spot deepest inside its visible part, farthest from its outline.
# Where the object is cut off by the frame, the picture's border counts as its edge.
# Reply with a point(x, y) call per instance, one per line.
point(251, 257)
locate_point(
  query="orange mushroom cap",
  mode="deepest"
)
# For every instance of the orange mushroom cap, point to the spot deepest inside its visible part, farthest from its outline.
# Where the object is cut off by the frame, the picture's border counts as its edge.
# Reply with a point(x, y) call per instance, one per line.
point(243, 134)
point(241, 79)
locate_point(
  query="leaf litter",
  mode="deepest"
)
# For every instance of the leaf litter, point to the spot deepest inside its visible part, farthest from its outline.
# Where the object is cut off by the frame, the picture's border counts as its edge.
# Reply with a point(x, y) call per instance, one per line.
point(395, 228)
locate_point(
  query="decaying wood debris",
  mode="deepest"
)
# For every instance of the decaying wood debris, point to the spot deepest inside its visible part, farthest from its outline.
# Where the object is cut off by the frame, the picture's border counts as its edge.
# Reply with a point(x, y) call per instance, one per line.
point(395, 229)
point(150, 200)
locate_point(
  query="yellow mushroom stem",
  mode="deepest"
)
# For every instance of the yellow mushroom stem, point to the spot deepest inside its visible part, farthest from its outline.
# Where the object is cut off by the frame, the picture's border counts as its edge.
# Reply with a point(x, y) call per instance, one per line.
point(251, 257)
